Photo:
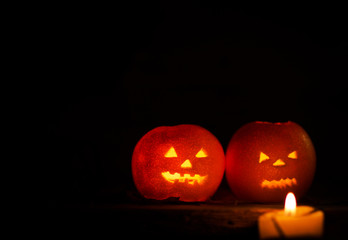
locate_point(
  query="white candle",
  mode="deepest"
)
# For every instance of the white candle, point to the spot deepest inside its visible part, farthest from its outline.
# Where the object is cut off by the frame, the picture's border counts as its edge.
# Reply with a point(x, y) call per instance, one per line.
point(292, 222)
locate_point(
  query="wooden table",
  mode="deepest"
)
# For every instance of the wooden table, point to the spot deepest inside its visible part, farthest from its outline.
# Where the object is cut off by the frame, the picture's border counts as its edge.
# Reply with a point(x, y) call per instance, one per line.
point(234, 221)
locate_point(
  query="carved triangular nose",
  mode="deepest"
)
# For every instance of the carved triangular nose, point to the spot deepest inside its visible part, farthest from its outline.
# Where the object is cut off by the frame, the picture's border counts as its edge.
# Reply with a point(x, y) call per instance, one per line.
point(279, 163)
point(186, 164)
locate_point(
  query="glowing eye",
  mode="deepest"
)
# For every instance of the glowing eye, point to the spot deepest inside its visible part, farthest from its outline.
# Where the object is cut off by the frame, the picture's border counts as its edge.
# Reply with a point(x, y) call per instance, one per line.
point(171, 153)
point(293, 155)
point(263, 157)
point(201, 154)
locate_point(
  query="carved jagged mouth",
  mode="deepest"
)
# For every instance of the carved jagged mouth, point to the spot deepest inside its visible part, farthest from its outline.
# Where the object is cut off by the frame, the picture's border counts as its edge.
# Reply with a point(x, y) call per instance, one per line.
point(282, 183)
point(183, 178)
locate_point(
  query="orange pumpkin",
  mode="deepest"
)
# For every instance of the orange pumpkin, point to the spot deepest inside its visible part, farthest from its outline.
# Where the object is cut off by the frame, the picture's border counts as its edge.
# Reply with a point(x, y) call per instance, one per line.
point(265, 161)
point(183, 161)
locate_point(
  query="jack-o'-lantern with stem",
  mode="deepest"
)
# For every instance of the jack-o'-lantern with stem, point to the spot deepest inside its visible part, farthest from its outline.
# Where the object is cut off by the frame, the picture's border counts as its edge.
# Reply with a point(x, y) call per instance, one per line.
point(265, 161)
point(184, 161)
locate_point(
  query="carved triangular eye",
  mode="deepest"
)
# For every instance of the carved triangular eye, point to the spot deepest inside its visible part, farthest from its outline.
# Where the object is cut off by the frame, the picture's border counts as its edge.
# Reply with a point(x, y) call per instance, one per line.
point(263, 157)
point(171, 153)
point(293, 155)
point(201, 154)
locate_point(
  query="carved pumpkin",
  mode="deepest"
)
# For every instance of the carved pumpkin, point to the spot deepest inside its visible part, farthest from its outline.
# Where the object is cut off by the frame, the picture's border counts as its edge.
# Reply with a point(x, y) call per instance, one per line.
point(183, 161)
point(265, 161)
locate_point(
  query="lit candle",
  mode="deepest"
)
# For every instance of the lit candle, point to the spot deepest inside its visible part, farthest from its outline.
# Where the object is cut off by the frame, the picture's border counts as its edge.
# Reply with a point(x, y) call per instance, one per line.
point(293, 222)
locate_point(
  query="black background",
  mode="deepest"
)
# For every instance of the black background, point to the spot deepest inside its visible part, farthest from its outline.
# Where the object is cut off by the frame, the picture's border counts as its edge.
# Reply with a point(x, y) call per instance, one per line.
point(112, 73)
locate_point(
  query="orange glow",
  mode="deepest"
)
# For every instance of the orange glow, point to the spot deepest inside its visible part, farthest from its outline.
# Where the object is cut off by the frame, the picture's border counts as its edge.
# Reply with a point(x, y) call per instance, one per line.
point(290, 204)
point(263, 157)
point(186, 164)
point(171, 153)
point(282, 183)
point(293, 155)
point(177, 176)
point(279, 163)
point(201, 154)
point(265, 161)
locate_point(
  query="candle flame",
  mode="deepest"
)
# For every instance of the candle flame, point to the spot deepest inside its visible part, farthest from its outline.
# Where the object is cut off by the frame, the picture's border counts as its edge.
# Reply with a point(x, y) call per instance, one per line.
point(290, 204)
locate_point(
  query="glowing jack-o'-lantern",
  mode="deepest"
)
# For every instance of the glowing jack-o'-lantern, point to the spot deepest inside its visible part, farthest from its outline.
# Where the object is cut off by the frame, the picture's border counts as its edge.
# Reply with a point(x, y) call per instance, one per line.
point(183, 161)
point(265, 161)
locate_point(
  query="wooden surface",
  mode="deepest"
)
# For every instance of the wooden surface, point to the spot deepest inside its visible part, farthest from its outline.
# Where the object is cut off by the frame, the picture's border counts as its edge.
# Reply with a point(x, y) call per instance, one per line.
point(176, 219)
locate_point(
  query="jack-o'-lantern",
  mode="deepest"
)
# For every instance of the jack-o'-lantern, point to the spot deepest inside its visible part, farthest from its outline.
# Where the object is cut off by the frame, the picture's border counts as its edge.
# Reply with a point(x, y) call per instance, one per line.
point(184, 161)
point(265, 161)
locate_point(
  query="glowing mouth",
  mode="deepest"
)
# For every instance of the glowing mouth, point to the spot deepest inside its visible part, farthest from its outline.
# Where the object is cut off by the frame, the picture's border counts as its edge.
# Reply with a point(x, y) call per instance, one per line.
point(282, 183)
point(177, 176)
